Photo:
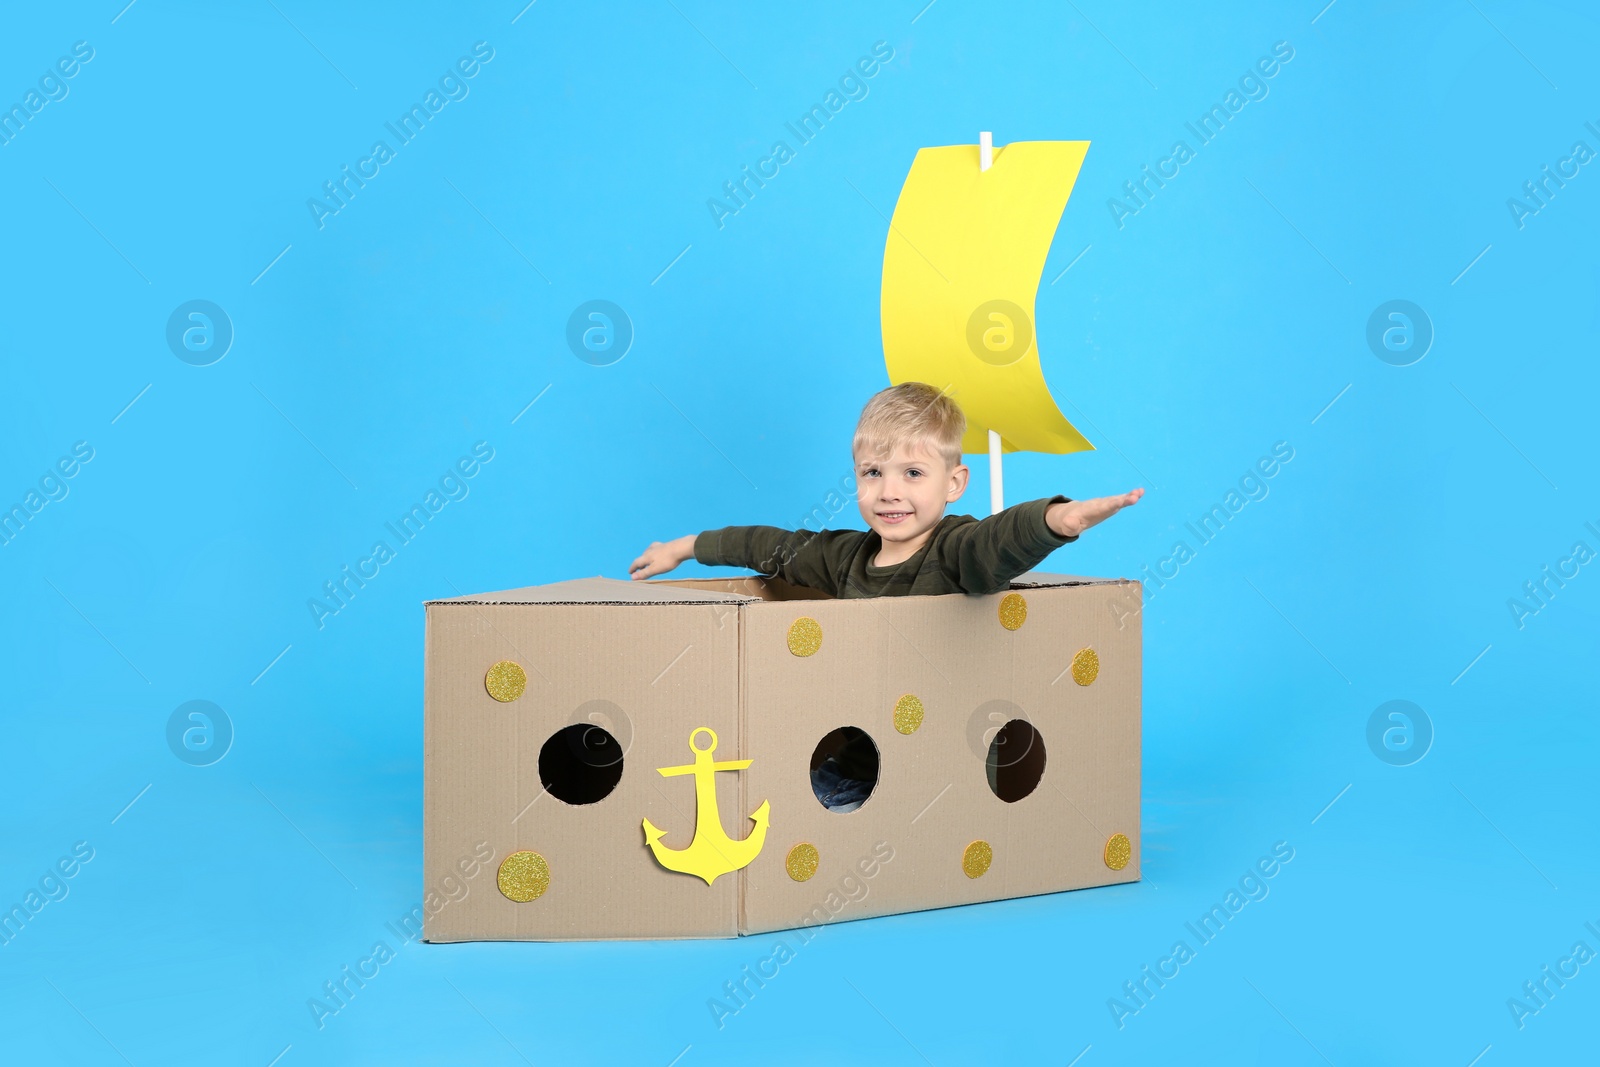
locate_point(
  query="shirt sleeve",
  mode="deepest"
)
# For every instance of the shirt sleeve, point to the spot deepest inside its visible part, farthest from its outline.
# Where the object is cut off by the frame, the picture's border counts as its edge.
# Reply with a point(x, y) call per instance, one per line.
point(983, 556)
point(800, 557)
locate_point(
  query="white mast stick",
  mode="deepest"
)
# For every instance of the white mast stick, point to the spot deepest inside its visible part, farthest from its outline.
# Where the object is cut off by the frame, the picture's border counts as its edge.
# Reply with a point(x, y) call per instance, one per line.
point(997, 494)
point(996, 480)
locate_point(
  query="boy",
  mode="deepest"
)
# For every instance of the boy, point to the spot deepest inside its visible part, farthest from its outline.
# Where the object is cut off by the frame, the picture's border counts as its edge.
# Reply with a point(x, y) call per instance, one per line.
point(907, 452)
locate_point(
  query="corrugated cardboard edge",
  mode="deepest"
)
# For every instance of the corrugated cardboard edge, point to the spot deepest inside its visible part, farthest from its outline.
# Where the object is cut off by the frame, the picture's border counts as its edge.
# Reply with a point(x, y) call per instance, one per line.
point(1048, 580)
point(596, 591)
point(741, 917)
point(617, 591)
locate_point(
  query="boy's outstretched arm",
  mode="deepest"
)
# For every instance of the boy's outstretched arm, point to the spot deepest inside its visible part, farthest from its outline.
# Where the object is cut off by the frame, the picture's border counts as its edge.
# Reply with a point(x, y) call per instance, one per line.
point(800, 557)
point(984, 556)
point(661, 557)
point(1075, 516)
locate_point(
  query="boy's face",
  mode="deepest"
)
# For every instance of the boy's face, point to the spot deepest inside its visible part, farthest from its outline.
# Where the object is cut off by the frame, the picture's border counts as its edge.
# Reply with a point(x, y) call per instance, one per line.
point(902, 494)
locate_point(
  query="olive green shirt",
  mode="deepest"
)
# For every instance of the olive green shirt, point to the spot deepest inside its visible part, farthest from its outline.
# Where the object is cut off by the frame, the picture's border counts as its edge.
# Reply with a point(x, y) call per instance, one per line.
point(964, 555)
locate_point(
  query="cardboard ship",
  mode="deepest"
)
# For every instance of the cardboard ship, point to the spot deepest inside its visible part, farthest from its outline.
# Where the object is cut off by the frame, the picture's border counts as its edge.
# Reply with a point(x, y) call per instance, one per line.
point(1006, 729)
point(719, 757)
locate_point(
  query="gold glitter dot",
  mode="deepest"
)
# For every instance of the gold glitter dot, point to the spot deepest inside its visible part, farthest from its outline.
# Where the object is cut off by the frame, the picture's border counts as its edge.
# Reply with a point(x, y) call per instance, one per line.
point(1119, 850)
point(506, 681)
point(1013, 611)
point(524, 876)
point(1085, 666)
point(802, 861)
point(805, 636)
point(976, 859)
point(908, 714)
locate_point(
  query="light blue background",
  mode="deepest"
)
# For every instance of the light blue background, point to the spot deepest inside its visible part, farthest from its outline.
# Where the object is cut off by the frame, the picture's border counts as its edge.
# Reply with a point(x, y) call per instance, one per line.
point(1223, 317)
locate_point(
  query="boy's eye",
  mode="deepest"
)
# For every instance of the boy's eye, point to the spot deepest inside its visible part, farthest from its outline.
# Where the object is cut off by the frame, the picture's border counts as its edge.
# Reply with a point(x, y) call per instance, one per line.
point(913, 473)
point(870, 472)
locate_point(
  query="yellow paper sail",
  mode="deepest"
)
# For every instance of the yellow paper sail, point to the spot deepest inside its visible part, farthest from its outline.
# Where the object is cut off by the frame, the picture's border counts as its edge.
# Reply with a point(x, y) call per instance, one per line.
point(961, 268)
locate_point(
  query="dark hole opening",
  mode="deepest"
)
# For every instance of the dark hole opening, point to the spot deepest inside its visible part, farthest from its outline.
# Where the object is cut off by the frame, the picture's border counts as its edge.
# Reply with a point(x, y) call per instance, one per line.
point(580, 764)
point(844, 769)
point(1016, 761)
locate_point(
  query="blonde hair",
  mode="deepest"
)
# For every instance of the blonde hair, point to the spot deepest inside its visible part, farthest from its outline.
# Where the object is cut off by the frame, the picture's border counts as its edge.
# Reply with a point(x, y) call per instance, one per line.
point(909, 413)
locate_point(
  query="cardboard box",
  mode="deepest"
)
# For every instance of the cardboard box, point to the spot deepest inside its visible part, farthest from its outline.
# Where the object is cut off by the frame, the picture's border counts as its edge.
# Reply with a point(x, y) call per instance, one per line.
point(1033, 695)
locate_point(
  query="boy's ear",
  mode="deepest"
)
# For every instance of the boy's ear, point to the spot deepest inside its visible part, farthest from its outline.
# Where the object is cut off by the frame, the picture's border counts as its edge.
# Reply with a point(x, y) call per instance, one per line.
point(958, 482)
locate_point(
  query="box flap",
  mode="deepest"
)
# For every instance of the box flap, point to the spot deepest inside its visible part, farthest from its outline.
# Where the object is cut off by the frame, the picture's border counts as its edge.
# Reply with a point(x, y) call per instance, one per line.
point(598, 591)
point(751, 587)
point(1045, 580)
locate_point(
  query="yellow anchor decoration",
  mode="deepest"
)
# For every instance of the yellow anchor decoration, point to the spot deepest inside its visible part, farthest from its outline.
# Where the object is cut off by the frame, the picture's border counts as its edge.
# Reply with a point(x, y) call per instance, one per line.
point(712, 853)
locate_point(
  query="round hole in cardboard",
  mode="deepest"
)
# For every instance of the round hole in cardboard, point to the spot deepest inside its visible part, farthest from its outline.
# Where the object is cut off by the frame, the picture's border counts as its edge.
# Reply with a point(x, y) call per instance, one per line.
point(580, 763)
point(1015, 762)
point(844, 769)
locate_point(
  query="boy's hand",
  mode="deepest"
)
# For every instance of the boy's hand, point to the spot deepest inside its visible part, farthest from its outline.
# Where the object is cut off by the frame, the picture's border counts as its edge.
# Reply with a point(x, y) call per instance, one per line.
point(661, 557)
point(1074, 517)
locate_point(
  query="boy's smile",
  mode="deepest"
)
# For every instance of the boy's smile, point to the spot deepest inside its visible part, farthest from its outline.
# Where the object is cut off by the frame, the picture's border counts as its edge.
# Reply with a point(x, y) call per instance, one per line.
point(902, 497)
